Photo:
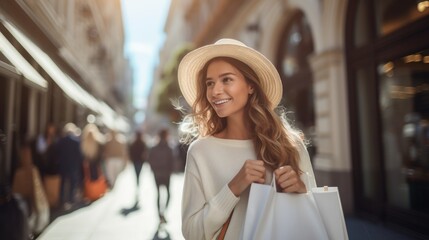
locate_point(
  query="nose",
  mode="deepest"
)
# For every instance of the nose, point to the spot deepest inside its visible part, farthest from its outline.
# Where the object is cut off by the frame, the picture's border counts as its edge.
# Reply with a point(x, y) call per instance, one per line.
point(217, 88)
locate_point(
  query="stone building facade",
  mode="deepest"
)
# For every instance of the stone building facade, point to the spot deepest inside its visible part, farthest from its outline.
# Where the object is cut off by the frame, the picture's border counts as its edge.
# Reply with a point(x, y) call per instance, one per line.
point(61, 61)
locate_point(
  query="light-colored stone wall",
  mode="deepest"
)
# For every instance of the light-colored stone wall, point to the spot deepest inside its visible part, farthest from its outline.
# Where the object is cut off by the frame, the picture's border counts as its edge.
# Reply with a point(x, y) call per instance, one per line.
point(89, 35)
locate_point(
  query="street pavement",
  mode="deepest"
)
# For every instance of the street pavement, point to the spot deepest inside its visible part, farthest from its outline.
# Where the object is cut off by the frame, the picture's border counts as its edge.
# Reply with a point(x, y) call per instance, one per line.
point(113, 217)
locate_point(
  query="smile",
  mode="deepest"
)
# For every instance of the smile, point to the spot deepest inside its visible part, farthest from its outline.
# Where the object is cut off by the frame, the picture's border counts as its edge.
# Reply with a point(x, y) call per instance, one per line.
point(218, 102)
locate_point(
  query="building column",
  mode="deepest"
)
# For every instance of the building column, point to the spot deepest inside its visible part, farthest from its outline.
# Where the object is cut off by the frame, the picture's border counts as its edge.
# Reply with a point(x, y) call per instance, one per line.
point(33, 114)
point(332, 163)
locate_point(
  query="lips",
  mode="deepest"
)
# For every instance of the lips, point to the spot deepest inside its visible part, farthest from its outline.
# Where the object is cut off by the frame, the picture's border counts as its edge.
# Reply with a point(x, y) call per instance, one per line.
point(221, 101)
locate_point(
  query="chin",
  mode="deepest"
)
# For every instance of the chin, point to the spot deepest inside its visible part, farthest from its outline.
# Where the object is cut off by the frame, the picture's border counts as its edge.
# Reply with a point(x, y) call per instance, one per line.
point(221, 114)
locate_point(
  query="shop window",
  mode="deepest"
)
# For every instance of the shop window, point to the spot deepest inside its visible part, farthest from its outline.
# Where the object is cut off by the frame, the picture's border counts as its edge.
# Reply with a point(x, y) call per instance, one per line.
point(389, 110)
point(404, 104)
point(394, 14)
point(296, 47)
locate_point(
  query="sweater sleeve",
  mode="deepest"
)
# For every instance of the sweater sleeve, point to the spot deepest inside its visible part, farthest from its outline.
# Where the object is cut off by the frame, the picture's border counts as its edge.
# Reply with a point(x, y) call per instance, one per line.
point(202, 218)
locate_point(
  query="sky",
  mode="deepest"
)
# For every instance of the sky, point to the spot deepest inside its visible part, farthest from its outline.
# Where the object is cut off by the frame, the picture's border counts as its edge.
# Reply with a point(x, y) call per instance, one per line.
point(143, 25)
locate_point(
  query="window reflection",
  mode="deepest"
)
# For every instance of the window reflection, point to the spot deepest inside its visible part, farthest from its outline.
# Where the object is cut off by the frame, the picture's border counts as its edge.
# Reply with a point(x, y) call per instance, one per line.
point(394, 14)
point(404, 103)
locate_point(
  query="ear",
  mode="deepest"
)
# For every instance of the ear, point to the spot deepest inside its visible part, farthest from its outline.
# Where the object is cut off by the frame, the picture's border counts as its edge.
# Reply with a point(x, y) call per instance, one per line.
point(251, 89)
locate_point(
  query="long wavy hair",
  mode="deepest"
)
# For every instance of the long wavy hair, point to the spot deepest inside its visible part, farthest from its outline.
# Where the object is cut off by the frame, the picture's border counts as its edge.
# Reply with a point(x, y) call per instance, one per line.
point(275, 141)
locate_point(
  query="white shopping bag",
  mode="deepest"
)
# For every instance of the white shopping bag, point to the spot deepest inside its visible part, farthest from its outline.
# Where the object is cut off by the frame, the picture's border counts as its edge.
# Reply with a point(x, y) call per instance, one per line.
point(272, 215)
point(329, 204)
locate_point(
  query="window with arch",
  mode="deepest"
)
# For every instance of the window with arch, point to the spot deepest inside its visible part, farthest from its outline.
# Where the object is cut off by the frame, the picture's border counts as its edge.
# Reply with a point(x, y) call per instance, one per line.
point(296, 45)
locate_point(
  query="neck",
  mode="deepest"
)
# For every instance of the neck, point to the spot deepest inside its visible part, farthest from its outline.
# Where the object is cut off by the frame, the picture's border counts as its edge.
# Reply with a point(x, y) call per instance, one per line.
point(236, 129)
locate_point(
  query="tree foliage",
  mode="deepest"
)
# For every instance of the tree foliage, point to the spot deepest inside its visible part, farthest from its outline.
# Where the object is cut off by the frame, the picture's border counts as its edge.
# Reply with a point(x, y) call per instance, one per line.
point(169, 87)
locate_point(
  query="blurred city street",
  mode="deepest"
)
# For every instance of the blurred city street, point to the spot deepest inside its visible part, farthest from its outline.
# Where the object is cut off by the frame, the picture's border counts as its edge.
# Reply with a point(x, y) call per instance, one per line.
point(88, 85)
point(108, 218)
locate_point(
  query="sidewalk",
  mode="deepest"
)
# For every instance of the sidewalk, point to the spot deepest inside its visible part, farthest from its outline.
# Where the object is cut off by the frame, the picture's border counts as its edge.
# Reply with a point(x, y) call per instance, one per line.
point(106, 219)
point(113, 218)
point(359, 229)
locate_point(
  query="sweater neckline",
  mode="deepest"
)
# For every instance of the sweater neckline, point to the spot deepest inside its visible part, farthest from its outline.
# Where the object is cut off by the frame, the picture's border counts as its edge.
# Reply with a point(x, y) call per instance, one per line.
point(232, 142)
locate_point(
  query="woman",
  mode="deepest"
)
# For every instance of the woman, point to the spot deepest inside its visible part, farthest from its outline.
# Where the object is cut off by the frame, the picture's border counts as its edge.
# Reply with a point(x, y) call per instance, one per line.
point(237, 137)
point(91, 146)
point(91, 142)
point(115, 155)
point(27, 182)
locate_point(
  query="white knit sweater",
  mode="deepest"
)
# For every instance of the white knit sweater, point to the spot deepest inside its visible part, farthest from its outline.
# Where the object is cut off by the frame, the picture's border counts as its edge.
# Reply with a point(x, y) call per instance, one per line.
point(207, 200)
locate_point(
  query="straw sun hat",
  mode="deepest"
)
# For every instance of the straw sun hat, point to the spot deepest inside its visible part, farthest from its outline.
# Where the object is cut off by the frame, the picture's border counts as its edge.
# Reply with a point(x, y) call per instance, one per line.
point(194, 61)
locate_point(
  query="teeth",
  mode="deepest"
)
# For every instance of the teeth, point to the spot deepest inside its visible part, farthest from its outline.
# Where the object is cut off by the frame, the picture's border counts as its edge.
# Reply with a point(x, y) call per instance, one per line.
point(221, 101)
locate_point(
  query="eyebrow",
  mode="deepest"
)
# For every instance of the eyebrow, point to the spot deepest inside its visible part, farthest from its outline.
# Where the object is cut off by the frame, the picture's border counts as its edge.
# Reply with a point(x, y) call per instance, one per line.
point(222, 75)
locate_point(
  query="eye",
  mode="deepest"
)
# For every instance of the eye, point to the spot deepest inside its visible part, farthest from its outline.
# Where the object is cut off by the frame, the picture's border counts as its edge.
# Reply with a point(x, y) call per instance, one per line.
point(209, 83)
point(226, 79)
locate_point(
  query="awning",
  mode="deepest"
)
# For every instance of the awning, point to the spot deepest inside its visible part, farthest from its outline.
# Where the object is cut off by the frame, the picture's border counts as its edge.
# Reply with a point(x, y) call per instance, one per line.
point(20, 63)
point(109, 117)
point(60, 78)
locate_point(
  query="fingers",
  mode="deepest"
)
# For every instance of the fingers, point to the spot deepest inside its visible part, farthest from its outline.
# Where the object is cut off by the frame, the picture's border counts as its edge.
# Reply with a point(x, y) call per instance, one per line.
point(254, 171)
point(290, 185)
point(251, 171)
point(288, 180)
point(284, 172)
point(256, 176)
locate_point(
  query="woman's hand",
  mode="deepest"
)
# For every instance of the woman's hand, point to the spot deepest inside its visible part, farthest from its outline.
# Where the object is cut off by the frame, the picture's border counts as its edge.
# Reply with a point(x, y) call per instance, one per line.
point(289, 181)
point(252, 171)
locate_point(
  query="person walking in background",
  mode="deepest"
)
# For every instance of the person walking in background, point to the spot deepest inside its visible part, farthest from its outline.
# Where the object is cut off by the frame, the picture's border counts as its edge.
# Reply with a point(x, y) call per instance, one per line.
point(42, 151)
point(115, 155)
point(91, 145)
point(161, 160)
point(69, 158)
point(138, 152)
point(27, 182)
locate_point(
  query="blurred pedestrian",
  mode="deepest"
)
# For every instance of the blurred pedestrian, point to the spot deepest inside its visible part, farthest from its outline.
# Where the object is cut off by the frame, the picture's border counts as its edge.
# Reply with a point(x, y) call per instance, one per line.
point(91, 146)
point(161, 160)
point(14, 211)
point(69, 158)
point(42, 151)
point(13, 215)
point(27, 182)
point(43, 156)
point(115, 155)
point(138, 152)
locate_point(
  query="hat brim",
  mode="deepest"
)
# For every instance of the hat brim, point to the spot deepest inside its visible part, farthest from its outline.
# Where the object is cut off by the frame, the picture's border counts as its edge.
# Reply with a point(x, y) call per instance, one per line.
point(194, 61)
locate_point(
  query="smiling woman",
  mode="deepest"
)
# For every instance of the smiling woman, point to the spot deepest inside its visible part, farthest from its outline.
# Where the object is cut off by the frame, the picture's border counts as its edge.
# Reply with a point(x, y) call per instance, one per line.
point(239, 138)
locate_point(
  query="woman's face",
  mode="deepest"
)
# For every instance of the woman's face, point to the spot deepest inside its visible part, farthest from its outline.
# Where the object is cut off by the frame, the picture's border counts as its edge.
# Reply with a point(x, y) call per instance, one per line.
point(227, 89)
